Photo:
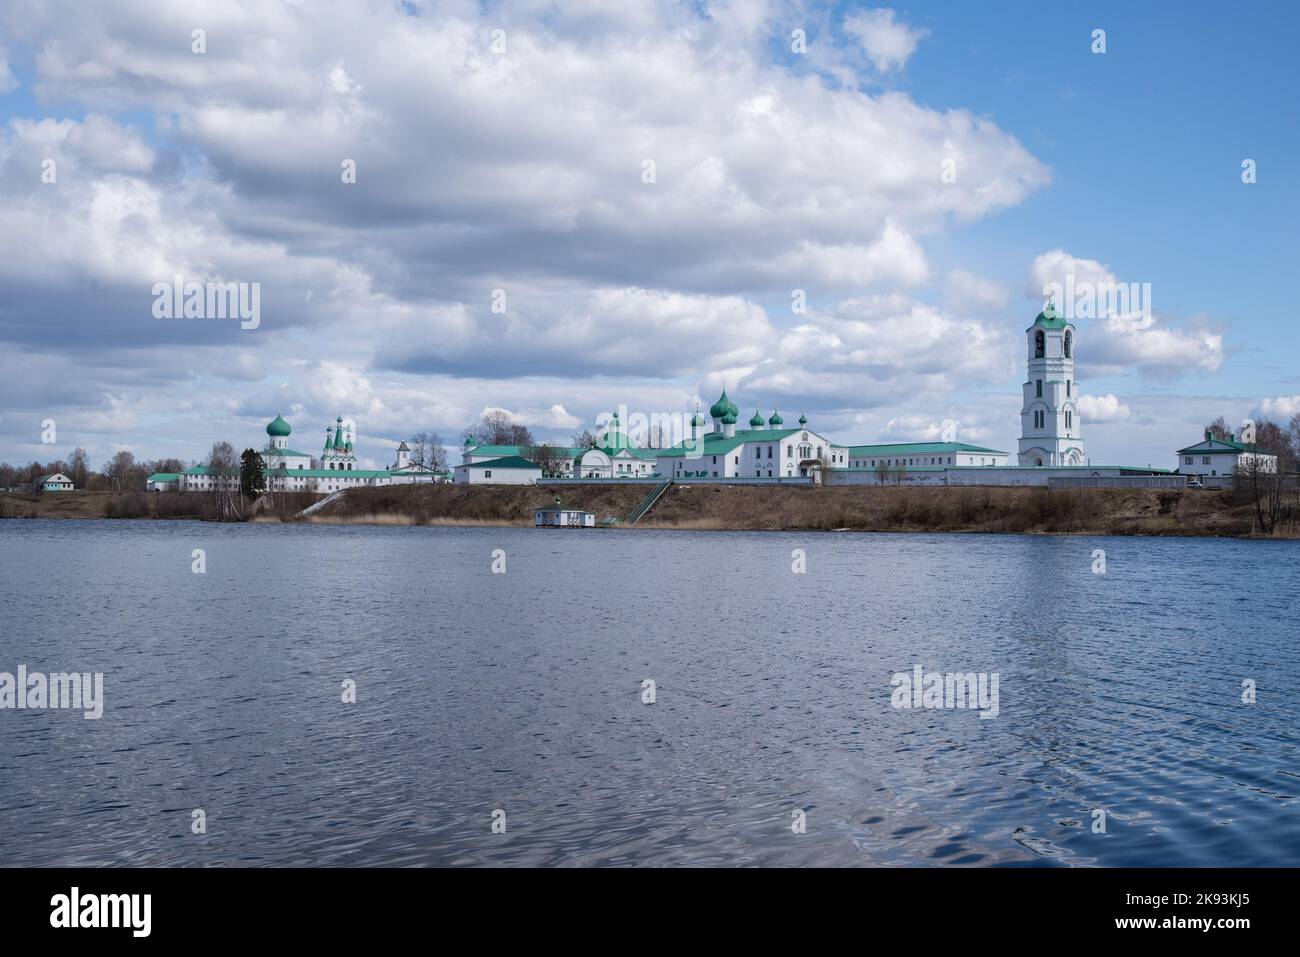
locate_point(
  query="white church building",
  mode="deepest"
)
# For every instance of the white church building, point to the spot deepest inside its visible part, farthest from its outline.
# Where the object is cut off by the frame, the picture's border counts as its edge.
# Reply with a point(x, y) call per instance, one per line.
point(288, 470)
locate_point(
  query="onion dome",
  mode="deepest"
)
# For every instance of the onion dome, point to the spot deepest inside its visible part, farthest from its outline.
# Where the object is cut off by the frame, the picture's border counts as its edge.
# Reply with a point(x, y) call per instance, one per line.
point(803, 420)
point(469, 442)
point(757, 421)
point(776, 419)
point(278, 428)
point(697, 419)
point(729, 418)
point(723, 407)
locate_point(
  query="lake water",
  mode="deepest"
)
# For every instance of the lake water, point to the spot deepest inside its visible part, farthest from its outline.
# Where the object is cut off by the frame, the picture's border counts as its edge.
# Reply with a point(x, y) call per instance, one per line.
point(522, 692)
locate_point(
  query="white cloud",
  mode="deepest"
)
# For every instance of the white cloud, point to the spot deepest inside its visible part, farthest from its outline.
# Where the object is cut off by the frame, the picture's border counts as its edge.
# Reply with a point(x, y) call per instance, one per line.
point(1103, 408)
point(970, 293)
point(877, 350)
point(887, 42)
point(8, 82)
point(553, 418)
point(1280, 407)
point(1116, 341)
point(479, 170)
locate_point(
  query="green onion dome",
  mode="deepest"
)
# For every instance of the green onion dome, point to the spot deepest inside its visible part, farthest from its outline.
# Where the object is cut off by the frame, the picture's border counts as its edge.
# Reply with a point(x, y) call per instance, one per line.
point(776, 419)
point(469, 441)
point(757, 421)
point(697, 419)
point(278, 427)
point(723, 406)
point(729, 418)
point(803, 420)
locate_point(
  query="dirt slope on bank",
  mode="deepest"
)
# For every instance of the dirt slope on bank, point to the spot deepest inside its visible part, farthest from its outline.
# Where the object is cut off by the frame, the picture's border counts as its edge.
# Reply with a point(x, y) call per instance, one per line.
point(475, 504)
point(1084, 511)
point(1079, 511)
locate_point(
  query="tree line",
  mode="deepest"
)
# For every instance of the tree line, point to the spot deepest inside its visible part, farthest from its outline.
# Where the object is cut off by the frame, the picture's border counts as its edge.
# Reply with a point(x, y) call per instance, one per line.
point(120, 473)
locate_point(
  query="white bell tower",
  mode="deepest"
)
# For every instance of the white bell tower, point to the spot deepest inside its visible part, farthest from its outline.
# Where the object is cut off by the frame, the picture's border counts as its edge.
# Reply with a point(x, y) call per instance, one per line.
point(1050, 432)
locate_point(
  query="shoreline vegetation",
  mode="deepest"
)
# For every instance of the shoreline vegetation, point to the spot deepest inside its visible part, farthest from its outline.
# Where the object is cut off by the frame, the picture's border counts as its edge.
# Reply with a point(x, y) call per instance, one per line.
point(705, 507)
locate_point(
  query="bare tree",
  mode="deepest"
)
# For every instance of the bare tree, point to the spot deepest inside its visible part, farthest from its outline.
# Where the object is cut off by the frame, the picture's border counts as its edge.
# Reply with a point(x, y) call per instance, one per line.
point(823, 466)
point(498, 428)
point(1270, 484)
point(584, 440)
point(223, 469)
point(427, 450)
point(1218, 428)
point(118, 469)
point(419, 445)
point(547, 457)
point(79, 468)
point(436, 453)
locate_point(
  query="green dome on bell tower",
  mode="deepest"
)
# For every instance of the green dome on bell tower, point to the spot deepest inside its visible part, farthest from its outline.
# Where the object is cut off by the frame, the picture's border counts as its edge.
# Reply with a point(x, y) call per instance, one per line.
point(278, 428)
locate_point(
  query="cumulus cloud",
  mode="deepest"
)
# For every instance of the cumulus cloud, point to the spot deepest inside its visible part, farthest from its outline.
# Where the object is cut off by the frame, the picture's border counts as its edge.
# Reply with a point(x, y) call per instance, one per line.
point(1114, 339)
point(519, 169)
point(966, 291)
point(8, 82)
point(1103, 408)
point(887, 42)
point(1281, 406)
point(878, 350)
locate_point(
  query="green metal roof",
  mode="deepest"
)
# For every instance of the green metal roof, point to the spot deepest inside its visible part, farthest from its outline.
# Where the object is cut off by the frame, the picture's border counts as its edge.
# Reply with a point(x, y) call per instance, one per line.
point(1053, 321)
point(330, 473)
point(919, 448)
point(508, 450)
point(505, 462)
point(268, 451)
point(716, 443)
point(304, 473)
point(164, 477)
point(1232, 447)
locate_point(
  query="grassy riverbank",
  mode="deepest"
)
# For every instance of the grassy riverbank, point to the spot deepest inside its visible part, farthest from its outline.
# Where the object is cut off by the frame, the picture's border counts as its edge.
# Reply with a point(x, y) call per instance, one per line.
point(1031, 510)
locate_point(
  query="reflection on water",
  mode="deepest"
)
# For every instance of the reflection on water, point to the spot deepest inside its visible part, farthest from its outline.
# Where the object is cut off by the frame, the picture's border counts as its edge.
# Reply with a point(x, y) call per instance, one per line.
point(523, 692)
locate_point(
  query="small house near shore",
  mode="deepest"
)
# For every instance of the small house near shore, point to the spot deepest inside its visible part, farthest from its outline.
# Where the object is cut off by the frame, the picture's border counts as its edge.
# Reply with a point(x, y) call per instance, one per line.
point(58, 482)
point(1214, 458)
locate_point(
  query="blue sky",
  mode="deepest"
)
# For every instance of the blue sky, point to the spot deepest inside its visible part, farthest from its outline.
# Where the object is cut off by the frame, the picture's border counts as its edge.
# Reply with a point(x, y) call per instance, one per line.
point(520, 169)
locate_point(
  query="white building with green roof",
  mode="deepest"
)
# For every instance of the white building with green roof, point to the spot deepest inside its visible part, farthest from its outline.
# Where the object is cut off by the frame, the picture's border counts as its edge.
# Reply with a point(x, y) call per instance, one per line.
point(1214, 458)
point(765, 450)
point(1051, 447)
point(288, 470)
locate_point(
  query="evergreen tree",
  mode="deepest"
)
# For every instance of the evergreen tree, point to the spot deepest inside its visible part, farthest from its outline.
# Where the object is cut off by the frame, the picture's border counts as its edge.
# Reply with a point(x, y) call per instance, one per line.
point(252, 474)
